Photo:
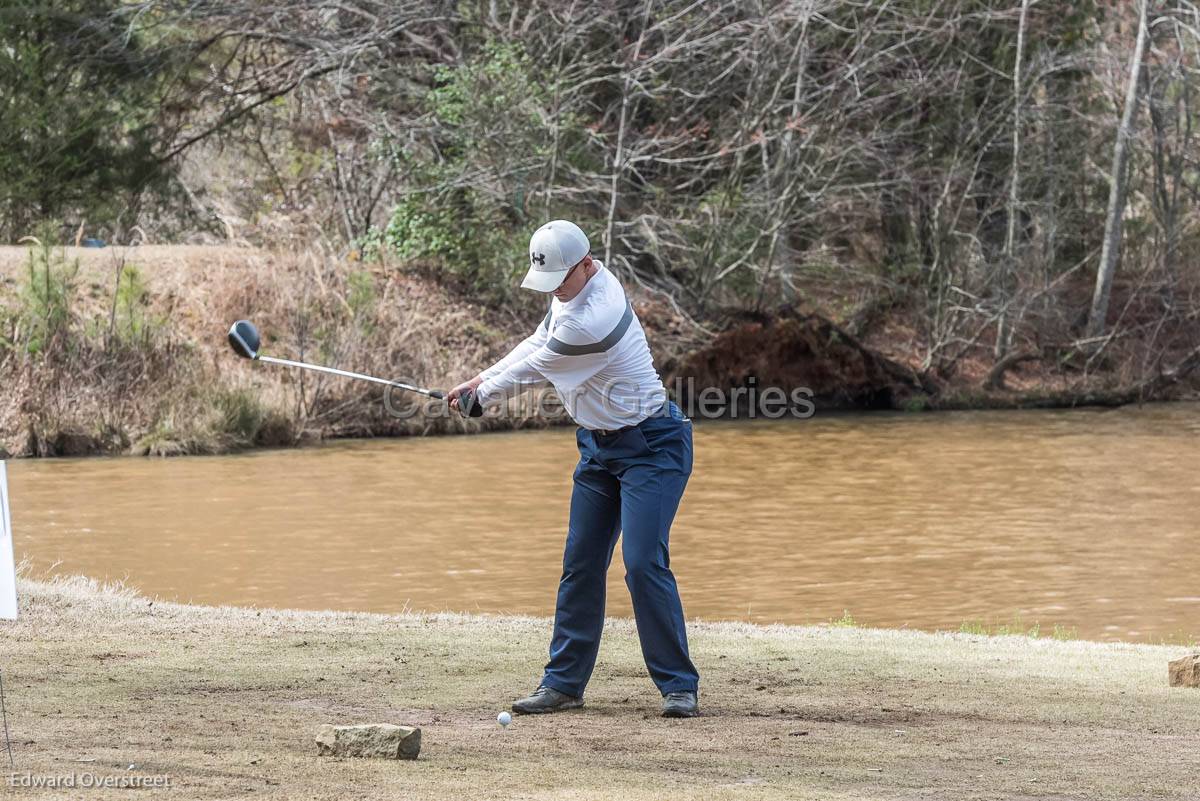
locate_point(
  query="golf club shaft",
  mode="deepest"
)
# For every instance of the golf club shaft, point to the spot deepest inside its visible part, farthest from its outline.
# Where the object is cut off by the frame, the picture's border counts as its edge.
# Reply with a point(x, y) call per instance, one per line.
point(433, 393)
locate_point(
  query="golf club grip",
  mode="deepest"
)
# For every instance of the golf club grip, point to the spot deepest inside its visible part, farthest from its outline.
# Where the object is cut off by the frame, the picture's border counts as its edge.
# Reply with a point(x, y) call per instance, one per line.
point(469, 404)
point(437, 393)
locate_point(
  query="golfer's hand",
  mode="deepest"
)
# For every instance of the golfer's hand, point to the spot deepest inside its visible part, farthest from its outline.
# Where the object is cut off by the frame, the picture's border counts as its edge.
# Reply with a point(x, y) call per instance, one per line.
point(453, 395)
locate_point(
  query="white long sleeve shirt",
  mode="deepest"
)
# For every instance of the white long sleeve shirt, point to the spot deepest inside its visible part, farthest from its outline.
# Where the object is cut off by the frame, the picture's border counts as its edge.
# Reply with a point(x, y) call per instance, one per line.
point(593, 350)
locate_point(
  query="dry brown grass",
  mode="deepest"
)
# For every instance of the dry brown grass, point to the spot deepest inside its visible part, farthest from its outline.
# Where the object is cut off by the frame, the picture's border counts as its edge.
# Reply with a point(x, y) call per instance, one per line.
point(180, 390)
point(227, 701)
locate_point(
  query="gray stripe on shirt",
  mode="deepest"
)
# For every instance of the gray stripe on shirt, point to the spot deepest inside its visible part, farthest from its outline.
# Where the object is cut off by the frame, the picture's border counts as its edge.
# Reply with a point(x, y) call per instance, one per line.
point(614, 336)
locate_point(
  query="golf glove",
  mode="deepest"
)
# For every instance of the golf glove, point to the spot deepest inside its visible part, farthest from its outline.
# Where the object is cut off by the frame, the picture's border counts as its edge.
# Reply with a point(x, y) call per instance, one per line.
point(469, 405)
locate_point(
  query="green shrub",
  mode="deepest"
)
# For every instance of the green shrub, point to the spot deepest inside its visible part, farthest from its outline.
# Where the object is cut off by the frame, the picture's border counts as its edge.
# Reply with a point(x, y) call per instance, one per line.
point(361, 300)
point(243, 421)
point(48, 295)
point(132, 322)
point(846, 621)
point(240, 414)
point(83, 82)
point(463, 234)
point(469, 214)
point(216, 421)
point(422, 227)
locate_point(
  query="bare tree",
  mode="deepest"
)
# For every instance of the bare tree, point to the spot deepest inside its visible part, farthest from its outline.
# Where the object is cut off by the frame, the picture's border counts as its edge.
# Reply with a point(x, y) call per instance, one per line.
point(627, 85)
point(1003, 326)
point(1119, 182)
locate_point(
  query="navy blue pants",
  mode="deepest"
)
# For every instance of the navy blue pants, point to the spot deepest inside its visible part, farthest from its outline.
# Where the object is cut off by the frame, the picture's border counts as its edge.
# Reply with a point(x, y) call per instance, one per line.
point(628, 481)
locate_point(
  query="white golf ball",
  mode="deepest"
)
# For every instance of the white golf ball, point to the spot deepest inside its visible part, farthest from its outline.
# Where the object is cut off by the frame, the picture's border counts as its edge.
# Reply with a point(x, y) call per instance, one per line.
point(504, 719)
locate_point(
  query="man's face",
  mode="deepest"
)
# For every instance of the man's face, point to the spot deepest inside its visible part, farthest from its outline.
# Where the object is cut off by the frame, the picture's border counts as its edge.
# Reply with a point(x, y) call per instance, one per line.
point(576, 278)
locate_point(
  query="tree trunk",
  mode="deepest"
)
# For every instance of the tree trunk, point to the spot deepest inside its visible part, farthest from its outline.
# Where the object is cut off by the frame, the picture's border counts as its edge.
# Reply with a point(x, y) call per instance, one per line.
point(619, 155)
point(782, 205)
point(1008, 266)
point(1116, 198)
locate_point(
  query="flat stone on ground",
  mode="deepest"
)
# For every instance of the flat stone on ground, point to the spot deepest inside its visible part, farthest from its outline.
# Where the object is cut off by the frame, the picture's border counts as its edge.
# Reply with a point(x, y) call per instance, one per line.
point(378, 740)
point(1185, 672)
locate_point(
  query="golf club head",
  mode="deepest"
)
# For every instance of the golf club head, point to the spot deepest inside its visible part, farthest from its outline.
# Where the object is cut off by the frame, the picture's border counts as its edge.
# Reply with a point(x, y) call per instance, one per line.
point(244, 339)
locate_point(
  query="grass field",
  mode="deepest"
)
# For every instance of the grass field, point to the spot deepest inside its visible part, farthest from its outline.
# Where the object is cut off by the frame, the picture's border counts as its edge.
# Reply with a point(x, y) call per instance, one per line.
point(227, 701)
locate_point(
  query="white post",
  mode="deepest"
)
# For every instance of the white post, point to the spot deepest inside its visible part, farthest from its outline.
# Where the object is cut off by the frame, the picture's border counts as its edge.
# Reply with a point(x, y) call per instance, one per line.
point(8, 571)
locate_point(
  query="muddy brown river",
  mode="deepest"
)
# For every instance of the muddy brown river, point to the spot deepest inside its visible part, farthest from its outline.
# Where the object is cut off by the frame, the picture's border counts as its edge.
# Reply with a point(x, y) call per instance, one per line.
point(1086, 520)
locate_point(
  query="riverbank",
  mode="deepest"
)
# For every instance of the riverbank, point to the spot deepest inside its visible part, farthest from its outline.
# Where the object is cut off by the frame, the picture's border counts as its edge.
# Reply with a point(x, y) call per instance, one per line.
point(122, 350)
point(226, 701)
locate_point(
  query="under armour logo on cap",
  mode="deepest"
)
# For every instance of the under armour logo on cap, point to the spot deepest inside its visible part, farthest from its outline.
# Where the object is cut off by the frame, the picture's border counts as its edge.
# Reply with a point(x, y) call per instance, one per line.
point(540, 258)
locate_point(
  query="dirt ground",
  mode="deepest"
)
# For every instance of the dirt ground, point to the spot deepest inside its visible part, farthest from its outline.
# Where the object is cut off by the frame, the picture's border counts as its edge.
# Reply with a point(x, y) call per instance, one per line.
point(226, 702)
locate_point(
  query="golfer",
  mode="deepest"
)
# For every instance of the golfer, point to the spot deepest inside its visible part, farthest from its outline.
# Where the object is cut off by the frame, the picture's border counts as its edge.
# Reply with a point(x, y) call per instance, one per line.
point(635, 456)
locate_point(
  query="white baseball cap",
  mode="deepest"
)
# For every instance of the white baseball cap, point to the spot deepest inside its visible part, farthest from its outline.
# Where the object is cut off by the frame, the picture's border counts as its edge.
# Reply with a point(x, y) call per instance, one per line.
point(554, 249)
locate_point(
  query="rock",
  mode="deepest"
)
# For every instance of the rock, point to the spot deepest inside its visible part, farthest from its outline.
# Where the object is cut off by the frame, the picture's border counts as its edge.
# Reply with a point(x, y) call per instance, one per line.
point(1185, 672)
point(379, 740)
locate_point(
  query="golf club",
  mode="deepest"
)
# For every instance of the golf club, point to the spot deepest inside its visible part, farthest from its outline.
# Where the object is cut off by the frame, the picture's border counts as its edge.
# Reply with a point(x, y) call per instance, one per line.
point(245, 341)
